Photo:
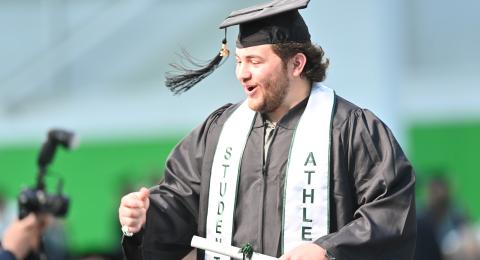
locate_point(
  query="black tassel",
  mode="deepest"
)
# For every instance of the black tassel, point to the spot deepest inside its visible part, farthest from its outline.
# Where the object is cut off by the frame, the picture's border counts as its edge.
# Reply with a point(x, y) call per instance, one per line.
point(186, 77)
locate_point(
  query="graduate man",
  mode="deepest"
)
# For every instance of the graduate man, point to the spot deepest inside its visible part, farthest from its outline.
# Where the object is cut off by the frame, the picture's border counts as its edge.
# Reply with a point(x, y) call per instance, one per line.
point(295, 170)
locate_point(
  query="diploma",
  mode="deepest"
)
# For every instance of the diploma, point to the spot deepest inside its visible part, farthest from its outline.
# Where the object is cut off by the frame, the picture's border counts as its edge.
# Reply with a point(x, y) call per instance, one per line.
point(231, 251)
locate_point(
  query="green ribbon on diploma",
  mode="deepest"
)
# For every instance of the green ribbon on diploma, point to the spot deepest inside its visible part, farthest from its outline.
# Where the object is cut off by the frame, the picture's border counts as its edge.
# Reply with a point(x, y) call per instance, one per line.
point(247, 251)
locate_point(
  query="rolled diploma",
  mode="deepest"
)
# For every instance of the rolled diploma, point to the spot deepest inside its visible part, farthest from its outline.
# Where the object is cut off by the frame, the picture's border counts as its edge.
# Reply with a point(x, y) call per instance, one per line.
point(231, 251)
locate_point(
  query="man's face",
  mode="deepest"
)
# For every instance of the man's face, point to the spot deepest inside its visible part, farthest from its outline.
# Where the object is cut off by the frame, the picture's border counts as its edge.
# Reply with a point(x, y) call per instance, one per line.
point(263, 77)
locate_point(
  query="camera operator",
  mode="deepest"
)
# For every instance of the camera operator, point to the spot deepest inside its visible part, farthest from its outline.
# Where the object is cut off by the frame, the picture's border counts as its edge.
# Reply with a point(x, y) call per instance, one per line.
point(22, 236)
point(36, 206)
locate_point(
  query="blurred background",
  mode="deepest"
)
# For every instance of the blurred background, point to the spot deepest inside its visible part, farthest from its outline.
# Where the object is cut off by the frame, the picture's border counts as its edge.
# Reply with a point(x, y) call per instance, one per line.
point(96, 67)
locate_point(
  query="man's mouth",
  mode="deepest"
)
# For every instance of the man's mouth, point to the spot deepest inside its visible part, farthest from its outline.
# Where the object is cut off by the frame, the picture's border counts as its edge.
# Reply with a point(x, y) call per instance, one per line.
point(250, 88)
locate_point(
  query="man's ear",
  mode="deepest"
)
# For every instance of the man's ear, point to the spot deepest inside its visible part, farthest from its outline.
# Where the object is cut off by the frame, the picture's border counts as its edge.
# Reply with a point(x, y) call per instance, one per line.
point(298, 62)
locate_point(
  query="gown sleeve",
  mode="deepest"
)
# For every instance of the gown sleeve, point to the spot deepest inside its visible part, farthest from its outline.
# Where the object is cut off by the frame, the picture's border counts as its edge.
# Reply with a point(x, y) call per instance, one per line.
point(6, 255)
point(383, 225)
point(173, 212)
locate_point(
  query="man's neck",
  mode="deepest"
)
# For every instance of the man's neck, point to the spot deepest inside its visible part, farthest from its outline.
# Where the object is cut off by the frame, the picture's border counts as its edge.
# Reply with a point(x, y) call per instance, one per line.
point(296, 93)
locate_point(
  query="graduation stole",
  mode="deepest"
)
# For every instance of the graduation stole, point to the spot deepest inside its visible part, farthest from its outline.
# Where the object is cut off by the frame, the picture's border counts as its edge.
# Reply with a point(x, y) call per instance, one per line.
point(306, 194)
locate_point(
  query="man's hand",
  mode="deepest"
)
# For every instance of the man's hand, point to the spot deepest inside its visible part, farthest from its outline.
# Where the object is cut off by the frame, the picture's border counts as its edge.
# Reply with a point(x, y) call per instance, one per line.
point(23, 235)
point(308, 251)
point(132, 212)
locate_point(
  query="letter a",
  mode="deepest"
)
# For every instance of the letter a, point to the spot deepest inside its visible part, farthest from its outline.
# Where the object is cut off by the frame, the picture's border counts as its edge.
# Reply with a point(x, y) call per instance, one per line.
point(310, 159)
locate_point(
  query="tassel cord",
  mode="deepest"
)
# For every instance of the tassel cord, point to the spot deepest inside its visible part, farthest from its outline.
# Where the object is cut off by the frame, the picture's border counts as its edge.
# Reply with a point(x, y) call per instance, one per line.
point(186, 76)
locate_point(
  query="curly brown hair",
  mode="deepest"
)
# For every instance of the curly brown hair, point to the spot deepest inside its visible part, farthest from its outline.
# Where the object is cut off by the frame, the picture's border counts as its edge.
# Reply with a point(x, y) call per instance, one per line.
point(316, 67)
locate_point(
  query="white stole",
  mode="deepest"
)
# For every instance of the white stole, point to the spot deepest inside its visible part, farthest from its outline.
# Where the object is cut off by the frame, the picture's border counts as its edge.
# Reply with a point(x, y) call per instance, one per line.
point(306, 203)
point(224, 177)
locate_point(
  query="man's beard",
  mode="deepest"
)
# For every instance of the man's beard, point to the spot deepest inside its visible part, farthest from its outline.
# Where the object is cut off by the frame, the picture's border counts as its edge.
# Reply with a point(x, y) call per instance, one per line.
point(274, 94)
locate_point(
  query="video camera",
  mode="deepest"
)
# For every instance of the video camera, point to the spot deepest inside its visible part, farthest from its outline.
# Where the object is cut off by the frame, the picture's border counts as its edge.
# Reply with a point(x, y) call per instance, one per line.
point(36, 199)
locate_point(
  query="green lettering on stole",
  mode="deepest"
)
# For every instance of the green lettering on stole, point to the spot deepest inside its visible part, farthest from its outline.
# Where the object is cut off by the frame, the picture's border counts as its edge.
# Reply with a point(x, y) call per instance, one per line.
point(305, 219)
point(310, 159)
point(220, 208)
point(306, 231)
point(228, 153)
point(224, 190)
point(219, 226)
point(309, 176)
point(225, 166)
point(306, 195)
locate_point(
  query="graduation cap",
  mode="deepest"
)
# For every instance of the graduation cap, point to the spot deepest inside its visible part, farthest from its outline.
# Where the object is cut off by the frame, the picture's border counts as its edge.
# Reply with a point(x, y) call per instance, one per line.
point(274, 22)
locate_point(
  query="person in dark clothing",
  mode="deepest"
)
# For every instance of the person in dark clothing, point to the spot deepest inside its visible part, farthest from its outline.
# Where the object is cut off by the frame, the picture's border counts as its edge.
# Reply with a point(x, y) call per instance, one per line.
point(437, 220)
point(296, 171)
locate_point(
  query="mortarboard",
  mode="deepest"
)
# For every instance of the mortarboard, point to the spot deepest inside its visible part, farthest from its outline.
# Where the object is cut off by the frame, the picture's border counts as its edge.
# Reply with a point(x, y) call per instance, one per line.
point(270, 23)
point(274, 22)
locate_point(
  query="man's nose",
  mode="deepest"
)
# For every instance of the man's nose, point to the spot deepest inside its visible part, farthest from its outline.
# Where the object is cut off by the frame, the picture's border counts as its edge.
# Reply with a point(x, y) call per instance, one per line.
point(243, 73)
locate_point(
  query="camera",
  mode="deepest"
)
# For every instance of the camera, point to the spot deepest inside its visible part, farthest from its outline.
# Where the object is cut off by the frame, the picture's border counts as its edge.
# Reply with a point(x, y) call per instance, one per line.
point(36, 199)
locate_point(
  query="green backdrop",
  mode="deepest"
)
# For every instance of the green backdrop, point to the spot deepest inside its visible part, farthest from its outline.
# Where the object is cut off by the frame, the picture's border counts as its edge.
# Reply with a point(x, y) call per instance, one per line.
point(451, 148)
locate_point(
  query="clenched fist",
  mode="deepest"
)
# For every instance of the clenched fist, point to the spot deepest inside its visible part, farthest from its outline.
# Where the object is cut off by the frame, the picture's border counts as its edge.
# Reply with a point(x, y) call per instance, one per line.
point(132, 212)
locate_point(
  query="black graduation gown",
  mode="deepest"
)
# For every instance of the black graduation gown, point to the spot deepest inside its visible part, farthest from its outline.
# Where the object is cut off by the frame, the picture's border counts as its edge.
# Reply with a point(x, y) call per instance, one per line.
point(372, 211)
